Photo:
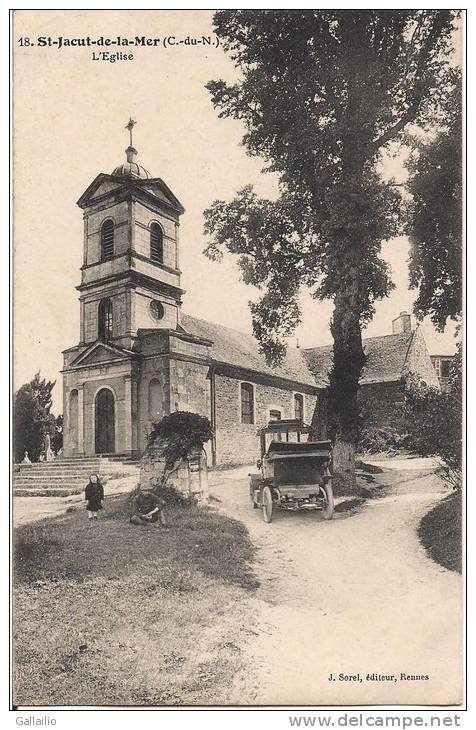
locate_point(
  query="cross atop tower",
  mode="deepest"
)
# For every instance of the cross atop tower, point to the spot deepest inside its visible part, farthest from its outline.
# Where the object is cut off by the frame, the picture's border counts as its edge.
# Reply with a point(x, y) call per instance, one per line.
point(130, 126)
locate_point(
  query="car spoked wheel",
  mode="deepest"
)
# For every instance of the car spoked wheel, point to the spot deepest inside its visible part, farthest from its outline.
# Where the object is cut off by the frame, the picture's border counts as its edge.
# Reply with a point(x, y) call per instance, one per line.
point(267, 501)
point(328, 509)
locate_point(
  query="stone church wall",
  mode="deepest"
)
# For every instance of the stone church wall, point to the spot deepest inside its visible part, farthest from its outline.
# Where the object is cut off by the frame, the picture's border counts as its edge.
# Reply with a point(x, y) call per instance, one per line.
point(236, 442)
point(142, 318)
point(168, 384)
point(153, 396)
point(190, 387)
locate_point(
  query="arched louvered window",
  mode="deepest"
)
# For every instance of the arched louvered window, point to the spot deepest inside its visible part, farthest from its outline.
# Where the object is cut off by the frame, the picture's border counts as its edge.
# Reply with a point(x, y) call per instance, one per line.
point(107, 240)
point(247, 403)
point(156, 243)
point(105, 319)
point(299, 406)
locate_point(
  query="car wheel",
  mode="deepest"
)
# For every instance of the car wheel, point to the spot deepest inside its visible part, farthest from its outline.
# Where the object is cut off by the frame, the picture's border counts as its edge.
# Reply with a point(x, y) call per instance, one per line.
point(267, 499)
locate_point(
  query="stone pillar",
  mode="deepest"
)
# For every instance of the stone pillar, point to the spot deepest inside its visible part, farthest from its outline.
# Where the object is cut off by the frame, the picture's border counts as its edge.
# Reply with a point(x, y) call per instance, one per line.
point(125, 424)
point(66, 444)
point(134, 415)
point(80, 389)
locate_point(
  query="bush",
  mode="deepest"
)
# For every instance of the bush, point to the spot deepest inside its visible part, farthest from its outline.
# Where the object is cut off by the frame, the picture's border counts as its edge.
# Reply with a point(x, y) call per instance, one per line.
point(171, 496)
point(434, 423)
point(175, 437)
point(374, 439)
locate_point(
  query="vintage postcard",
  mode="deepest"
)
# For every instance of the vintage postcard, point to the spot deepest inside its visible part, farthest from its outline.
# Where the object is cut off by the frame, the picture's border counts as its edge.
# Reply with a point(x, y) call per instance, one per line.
point(238, 358)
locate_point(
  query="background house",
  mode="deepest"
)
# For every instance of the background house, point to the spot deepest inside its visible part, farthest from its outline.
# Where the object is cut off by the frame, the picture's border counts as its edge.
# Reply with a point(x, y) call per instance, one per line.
point(390, 360)
point(442, 365)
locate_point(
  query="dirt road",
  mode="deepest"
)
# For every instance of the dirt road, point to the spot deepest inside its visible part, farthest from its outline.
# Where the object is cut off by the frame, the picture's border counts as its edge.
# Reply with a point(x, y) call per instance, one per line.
point(356, 596)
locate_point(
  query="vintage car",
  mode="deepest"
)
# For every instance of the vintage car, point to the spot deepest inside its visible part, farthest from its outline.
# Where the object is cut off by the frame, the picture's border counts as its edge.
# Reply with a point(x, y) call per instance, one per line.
point(294, 472)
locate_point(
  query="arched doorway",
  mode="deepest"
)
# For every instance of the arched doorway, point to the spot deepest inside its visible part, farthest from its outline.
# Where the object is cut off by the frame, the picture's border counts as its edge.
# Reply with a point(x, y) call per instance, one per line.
point(104, 420)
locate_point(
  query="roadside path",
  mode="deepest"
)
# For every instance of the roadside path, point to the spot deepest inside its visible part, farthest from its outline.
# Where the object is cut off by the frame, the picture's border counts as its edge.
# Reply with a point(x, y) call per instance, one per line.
point(356, 595)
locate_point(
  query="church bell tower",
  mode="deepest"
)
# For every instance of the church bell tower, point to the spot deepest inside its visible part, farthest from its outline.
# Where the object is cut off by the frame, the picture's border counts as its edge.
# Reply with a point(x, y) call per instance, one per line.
point(130, 288)
point(130, 278)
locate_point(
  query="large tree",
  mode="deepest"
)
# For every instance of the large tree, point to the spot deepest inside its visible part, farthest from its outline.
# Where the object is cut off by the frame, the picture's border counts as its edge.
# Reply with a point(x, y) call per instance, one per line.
point(321, 93)
point(435, 222)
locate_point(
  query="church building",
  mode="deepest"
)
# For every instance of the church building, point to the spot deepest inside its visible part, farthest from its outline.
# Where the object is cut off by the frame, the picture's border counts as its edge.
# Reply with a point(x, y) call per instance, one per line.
point(139, 356)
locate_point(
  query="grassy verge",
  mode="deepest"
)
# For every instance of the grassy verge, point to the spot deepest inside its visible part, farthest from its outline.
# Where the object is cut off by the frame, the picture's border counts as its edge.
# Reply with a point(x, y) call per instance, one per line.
point(440, 532)
point(109, 613)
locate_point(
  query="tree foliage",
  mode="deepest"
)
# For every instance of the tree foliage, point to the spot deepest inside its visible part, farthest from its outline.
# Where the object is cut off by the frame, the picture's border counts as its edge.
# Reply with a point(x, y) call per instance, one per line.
point(175, 437)
point(321, 93)
point(435, 216)
point(57, 434)
point(434, 422)
point(32, 417)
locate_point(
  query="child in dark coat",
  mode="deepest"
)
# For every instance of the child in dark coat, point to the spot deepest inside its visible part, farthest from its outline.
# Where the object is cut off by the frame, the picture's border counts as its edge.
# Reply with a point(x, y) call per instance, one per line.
point(94, 495)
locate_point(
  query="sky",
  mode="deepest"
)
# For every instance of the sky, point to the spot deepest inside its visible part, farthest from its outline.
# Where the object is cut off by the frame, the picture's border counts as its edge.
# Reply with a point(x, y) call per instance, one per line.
point(69, 116)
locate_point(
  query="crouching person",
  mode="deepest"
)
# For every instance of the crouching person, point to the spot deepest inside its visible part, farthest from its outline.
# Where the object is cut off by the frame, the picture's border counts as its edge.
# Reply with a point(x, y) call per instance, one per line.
point(148, 508)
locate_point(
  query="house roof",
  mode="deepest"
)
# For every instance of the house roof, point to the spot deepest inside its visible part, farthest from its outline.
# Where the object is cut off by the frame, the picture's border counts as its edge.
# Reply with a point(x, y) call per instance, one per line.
point(385, 361)
point(241, 350)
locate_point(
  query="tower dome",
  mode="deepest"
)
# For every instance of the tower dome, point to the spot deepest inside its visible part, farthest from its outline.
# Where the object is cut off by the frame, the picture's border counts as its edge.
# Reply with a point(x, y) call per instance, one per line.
point(130, 168)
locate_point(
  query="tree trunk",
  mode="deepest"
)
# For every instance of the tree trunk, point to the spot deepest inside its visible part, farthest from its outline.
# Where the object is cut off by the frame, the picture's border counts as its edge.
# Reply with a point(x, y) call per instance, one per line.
point(344, 378)
point(343, 466)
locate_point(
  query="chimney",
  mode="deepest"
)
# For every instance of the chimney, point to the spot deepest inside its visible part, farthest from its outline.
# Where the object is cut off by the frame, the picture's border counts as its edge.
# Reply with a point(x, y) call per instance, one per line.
point(403, 323)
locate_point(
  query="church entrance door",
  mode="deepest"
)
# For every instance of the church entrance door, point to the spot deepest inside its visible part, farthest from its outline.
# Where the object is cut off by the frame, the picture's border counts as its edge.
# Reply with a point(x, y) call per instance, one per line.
point(105, 430)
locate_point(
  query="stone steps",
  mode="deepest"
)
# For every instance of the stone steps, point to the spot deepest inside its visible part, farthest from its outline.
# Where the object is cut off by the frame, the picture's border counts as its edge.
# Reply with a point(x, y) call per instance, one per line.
point(40, 492)
point(109, 469)
point(67, 476)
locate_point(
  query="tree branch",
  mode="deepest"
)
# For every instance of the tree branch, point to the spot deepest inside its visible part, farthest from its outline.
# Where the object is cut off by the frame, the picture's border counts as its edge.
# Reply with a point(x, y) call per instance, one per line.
point(419, 86)
point(393, 131)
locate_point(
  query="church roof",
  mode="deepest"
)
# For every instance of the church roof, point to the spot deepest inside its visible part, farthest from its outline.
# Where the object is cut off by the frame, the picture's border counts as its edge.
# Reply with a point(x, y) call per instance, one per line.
point(153, 189)
point(131, 168)
point(386, 356)
point(241, 350)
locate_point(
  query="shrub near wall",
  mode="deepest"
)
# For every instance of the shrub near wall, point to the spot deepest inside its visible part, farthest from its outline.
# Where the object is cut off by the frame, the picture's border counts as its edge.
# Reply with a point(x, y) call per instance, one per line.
point(435, 425)
point(376, 439)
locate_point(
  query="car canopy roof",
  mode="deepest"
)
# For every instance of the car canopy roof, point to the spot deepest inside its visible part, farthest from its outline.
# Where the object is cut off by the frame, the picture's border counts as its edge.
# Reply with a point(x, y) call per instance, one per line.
point(285, 424)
